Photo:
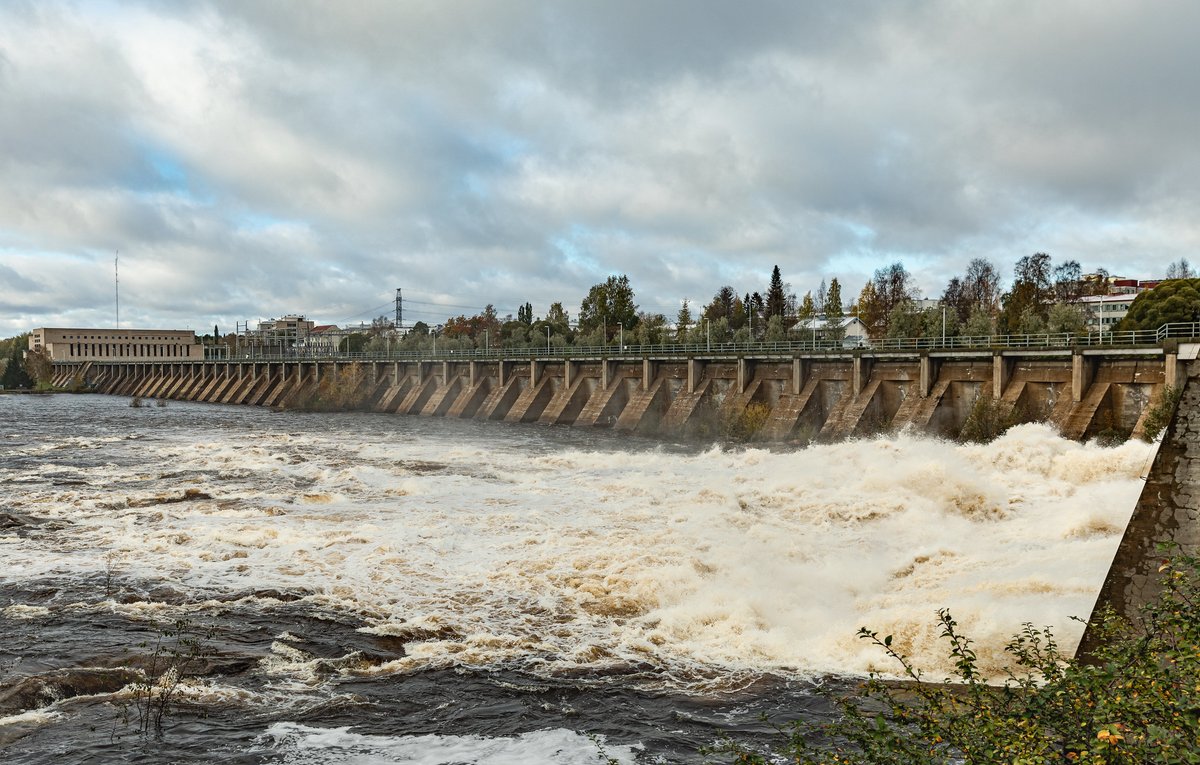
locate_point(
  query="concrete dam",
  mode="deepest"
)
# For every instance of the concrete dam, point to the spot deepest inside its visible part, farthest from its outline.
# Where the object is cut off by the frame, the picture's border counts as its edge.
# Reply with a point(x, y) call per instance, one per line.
point(796, 396)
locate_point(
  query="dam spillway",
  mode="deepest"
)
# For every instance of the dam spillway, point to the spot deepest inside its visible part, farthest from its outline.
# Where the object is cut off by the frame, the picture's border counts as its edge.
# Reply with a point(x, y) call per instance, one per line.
point(794, 397)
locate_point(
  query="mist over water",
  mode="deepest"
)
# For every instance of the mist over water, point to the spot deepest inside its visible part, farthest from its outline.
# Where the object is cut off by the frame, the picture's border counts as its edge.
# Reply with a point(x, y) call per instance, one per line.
point(576, 561)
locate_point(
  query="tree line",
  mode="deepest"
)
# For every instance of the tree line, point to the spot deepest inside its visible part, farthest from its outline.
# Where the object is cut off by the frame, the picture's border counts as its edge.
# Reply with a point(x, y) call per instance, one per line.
point(1042, 297)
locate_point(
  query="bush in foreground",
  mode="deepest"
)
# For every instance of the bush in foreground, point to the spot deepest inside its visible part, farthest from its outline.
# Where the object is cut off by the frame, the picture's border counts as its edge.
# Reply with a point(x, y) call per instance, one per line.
point(1137, 700)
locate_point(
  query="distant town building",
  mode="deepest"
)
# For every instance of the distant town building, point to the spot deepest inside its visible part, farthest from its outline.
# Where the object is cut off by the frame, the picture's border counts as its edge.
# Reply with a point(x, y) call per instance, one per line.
point(291, 326)
point(1104, 312)
point(850, 329)
point(66, 344)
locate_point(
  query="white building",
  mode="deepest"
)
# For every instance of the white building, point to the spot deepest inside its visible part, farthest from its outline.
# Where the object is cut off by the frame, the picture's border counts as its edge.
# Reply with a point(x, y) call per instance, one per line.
point(1103, 312)
point(853, 331)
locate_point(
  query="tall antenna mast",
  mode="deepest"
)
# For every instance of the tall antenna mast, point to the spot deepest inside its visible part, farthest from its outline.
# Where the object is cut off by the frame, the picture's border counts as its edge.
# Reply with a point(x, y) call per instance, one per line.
point(117, 284)
point(399, 309)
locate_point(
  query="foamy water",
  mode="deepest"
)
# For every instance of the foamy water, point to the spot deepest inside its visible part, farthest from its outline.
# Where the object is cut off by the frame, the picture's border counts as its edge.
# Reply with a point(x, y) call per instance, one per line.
point(304, 745)
point(489, 545)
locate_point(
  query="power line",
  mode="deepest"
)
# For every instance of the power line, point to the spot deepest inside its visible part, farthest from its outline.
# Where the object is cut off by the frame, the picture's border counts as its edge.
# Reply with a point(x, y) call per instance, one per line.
point(364, 313)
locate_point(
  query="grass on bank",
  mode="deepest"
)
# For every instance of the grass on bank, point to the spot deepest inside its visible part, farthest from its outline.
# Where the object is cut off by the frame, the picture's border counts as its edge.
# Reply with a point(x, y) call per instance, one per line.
point(1136, 701)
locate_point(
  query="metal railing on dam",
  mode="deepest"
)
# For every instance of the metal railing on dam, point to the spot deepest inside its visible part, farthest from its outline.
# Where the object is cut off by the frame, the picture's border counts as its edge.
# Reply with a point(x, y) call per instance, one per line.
point(1058, 340)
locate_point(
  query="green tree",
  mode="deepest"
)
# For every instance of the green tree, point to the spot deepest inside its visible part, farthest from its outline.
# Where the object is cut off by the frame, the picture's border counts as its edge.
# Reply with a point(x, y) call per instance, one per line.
point(722, 305)
point(776, 300)
point(737, 317)
point(356, 342)
point(1064, 318)
point(755, 306)
point(683, 322)
point(608, 305)
point(979, 323)
point(525, 314)
point(905, 320)
point(871, 312)
point(1031, 293)
point(1031, 322)
point(834, 313)
point(807, 310)
point(1177, 300)
point(15, 377)
point(776, 332)
point(514, 334)
point(651, 329)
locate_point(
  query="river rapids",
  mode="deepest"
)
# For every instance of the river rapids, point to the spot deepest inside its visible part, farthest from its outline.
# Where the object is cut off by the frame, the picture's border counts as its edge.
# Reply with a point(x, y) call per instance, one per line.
point(363, 588)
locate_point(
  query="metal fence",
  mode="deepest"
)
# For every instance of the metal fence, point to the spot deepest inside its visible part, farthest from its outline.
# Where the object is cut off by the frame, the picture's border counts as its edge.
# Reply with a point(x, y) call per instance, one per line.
point(1048, 341)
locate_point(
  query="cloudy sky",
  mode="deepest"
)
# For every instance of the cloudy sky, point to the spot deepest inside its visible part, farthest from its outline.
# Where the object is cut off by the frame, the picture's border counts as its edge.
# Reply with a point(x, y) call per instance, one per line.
point(254, 158)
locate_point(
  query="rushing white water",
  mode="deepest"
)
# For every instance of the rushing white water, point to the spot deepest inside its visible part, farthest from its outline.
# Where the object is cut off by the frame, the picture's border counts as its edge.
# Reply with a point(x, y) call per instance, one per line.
point(486, 549)
point(301, 745)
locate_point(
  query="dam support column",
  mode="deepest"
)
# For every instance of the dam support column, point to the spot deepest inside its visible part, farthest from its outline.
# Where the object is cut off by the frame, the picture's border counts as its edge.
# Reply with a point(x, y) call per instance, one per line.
point(797, 376)
point(648, 372)
point(928, 374)
point(1082, 371)
point(1171, 370)
point(694, 370)
point(860, 370)
point(743, 375)
point(1000, 374)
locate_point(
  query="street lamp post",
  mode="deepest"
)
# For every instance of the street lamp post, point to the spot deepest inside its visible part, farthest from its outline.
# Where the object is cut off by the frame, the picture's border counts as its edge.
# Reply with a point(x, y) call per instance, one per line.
point(547, 339)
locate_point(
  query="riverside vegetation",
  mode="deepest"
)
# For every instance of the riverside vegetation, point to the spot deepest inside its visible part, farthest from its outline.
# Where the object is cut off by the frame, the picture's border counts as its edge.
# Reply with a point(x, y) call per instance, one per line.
point(1136, 700)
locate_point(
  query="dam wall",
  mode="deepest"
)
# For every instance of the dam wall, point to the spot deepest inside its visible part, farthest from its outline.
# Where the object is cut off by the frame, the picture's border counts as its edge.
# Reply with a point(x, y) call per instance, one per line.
point(793, 398)
point(1166, 519)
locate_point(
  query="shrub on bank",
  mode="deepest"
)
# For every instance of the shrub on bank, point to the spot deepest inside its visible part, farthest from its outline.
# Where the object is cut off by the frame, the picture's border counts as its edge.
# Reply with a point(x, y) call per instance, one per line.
point(1137, 700)
point(988, 419)
point(744, 425)
point(335, 393)
point(1161, 412)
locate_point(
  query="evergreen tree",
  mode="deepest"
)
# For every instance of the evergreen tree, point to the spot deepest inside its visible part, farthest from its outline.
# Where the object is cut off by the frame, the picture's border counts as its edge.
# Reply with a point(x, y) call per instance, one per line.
point(834, 313)
point(15, 377)
point(683, 321)
point(776, 301)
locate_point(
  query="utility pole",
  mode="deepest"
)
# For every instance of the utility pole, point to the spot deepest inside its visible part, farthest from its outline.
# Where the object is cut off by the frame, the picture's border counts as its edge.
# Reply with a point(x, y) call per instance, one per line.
point(399, 308)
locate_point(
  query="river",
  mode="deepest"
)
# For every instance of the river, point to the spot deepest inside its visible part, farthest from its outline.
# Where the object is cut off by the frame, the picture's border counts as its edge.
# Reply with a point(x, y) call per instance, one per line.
point(368, 588)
